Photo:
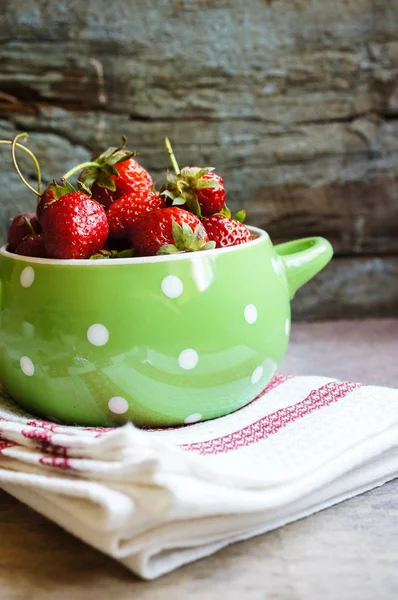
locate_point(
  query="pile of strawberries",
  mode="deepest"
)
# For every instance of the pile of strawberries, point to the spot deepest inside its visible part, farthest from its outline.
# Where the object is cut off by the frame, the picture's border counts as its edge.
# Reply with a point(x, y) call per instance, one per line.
point(115, 211)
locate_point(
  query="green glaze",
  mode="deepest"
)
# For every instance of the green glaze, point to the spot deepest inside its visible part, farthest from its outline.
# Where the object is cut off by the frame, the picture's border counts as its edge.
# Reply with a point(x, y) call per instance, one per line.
point(197, 345)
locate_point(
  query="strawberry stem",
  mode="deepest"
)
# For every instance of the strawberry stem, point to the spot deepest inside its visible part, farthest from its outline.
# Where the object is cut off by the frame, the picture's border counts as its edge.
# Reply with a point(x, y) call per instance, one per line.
point(32, 156)
point(80, 167)
point(173, 159)
point(30, 226)
point(18, 170)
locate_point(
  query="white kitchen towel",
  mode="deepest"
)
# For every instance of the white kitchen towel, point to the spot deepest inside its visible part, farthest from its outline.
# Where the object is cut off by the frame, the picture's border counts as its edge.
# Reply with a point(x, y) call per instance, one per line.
point(157, 499)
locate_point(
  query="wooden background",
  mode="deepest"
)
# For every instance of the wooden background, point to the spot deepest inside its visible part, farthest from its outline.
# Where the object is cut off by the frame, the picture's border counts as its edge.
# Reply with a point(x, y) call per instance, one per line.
point(294, 101)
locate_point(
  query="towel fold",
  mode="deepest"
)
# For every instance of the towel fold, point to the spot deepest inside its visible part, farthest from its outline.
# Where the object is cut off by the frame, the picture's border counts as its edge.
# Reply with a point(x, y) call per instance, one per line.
point(157, 499)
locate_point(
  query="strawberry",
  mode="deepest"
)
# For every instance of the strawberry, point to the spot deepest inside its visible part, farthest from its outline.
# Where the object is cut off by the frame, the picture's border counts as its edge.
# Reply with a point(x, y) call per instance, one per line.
point(112, 174)
point(103, 195)
point(22, 225)
point(32, 245)
point(211, 199)
point(123, 212)
point(225, 231)
point(74, 226)
point(47, 196)
point(132, 176)
point(196, 189)
point(166, 231)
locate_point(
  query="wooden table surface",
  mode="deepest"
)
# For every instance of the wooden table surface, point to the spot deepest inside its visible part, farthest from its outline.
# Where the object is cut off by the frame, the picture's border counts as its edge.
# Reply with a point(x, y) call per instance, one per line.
point(348, 552)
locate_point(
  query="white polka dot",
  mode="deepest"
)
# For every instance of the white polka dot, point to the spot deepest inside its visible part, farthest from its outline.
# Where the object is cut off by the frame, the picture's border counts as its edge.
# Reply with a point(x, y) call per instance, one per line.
point(257, 374)
point(27, 277)
point(275, 265)
point(27, 366)
point(118, 405)
point(172, 286)
point(97, 335)
point(188, 359)
point(251, 314)
point(287, 327)
point(193, 418)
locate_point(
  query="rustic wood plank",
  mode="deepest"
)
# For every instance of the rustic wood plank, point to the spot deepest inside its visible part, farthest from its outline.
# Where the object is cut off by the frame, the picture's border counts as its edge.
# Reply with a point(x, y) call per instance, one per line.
point(357, 217)
point(356, 540)
point(271, 61)
point(352, 288)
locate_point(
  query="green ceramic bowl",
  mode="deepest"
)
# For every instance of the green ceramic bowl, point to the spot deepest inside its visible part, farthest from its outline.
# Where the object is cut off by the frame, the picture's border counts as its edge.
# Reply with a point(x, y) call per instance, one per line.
point(158, 341)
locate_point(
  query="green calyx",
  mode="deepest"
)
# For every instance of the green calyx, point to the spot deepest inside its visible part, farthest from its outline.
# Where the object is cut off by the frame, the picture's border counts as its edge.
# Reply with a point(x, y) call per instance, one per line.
point(104, 254)
point(240, 216)
point(225, 212)
point(53, 192)
point(186, 240)
point(102, 167)
point(182, 188)
point(60, 189)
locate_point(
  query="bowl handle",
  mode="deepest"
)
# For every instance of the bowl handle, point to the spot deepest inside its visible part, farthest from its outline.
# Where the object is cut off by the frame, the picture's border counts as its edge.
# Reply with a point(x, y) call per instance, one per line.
point(303, 259)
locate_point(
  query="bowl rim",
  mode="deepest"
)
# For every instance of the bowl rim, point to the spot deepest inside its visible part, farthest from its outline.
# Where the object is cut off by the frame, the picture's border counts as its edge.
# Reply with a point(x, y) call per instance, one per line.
point(261, 236)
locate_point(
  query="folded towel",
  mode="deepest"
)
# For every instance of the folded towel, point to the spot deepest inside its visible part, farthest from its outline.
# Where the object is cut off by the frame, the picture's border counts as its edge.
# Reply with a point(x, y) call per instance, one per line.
point(156, 499)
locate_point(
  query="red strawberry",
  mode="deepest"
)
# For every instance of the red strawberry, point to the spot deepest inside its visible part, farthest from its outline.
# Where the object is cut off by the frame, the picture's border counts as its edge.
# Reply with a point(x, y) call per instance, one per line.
point(132, 177)
point(47, 196)
point(212, 199)
point(123, 212)
point(74, 226)
point(52, 192)
point(22, 225)
point(32, 245)
point(103, 195)
point(166, 231)
point(113, 174)
point(226, 232)
point(197, 189)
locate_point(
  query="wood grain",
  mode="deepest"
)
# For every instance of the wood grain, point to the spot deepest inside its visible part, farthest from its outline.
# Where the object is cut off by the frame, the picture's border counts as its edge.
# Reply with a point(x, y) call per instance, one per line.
point(295, 103)
point(354, 287)
point(347, 552)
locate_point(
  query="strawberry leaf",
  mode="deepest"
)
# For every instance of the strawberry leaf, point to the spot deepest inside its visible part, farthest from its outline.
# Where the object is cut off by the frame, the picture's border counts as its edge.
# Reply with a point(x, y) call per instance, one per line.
point(124, 254)
point(209, 246)
point(195, 172)
point(88, 176)
point(202, 184)
point(225, 212)
point(101, 254)
point(84, 188)
point(199, 232)
point(111, 169)
point(178, 234)
point(61, 189)
point(167, 249)
point(193, 205)
point(167, 193)
point(240, 216)
point(188, 236)
point(180, 185)
point(105, 180)
point(178, 201)
point(118, 158)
